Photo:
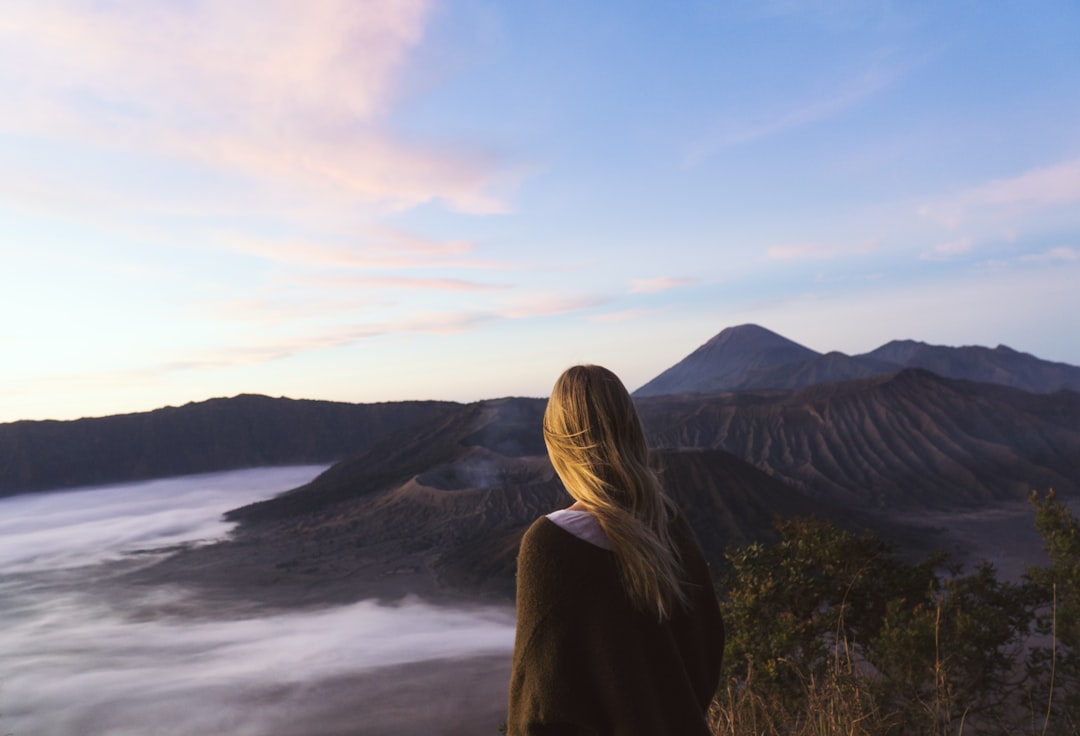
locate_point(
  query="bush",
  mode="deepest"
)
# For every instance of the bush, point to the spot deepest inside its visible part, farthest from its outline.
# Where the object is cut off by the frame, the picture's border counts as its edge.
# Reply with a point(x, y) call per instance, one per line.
point(1054, 663)
point(830, 632)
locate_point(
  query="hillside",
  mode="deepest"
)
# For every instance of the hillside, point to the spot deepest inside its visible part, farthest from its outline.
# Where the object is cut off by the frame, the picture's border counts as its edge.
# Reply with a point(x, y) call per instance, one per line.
point(454, 500)
point(1001, 365)
point(735, 358)
point(454, 497)
point(219, 434)
point(909, 439)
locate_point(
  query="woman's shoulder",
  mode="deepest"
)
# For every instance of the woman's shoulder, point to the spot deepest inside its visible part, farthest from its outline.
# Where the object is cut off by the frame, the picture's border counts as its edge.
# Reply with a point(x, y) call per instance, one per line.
point(548, 549)
point(545, 539)
point(540, 542)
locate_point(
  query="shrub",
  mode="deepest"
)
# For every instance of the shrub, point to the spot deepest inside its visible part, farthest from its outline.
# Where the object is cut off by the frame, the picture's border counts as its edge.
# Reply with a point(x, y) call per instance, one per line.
point(831, 633)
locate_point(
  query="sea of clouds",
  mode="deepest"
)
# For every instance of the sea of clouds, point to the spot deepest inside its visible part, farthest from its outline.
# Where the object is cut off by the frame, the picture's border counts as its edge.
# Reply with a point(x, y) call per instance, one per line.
point(75, 662)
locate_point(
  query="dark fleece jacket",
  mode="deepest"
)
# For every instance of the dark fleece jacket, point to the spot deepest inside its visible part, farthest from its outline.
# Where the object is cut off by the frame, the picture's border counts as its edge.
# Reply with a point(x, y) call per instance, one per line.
point(587, 662)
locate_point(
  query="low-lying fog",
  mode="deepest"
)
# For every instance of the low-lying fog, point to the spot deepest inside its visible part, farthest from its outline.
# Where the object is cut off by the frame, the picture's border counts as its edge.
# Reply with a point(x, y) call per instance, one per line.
point(76, 661)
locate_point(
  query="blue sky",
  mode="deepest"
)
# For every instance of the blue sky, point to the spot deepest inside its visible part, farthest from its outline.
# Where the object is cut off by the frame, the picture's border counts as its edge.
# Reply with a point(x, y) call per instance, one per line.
point(421, 199)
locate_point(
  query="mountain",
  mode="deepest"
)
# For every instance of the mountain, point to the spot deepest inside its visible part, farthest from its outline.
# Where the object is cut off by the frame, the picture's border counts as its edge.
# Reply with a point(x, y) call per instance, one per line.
point(219, 434)
point(454, 499)
point(451, 498)
point(443, 491)
point(1001, 365)
point(828, 368)
point(731, 360)
point(749, 357)
point(251, 430)
point(911, 439)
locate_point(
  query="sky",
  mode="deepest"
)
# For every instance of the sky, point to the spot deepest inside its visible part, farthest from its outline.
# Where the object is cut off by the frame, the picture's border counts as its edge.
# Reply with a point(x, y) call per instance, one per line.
point(423, 199)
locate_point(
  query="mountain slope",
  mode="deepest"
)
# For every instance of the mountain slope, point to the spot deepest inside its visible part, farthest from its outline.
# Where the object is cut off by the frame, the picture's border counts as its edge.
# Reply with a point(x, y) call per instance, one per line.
point(219, 434)
point(828, 368)
point(729, 361)
point(448, 499)
point(1000, 365)
point(906, 439)
point(455, 499)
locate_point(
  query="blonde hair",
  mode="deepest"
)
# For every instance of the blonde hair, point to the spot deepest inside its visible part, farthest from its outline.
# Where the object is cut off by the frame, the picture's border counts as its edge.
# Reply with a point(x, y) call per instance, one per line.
point(596, 442)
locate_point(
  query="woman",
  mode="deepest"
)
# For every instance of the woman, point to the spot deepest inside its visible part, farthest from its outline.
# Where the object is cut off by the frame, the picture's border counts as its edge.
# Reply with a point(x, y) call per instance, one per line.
point(618, 628)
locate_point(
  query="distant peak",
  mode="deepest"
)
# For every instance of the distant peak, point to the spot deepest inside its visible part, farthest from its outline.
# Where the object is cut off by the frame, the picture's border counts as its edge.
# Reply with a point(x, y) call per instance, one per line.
point(745, 330)
point(905, 342)
point(750, 338)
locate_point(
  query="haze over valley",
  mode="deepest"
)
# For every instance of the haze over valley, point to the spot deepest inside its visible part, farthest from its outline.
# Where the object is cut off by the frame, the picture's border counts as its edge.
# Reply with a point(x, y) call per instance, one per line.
point(85, 651)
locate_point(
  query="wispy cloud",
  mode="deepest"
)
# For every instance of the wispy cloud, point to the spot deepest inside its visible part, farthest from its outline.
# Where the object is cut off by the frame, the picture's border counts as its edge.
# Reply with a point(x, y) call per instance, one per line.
point(736, 132)
point(549, 304)
point(945, 251)
point(1046, 186)
point(276, 347)
point(352, 283)
point(381, 251)
point(1054, 255)
point(261, 348)
point(286, 98)
point(656, 285)
point(819, 251)
point(294, 339)
point(279, 310)
point(622, 315)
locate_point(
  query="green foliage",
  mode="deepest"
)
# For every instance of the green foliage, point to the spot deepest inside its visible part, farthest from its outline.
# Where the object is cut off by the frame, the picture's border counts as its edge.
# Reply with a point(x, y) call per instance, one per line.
point(830, 632)
point(953, 656)
point(1054, 665)
point(793, 606)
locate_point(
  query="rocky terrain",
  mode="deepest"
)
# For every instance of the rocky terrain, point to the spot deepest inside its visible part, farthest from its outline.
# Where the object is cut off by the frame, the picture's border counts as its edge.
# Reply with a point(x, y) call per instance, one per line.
point(911, 439)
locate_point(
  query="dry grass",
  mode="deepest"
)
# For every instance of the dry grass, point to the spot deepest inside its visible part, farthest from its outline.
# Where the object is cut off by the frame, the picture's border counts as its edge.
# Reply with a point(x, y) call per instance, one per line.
point(839, 704)
point(846, 700)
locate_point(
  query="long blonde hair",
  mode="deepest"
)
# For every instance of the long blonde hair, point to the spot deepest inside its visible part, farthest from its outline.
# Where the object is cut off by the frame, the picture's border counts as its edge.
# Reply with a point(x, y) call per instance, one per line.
point(596, 442)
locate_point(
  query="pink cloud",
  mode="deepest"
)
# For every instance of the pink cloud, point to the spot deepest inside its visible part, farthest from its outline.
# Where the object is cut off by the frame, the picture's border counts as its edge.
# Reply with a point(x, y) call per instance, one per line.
point(283, 310)
point(547, 305)
point(1054, 255)
point(397, 282)
point(818, 252)
point(267, 349)
point(1043, 187)
point(656, 285)
point(623, 315)
point(948, 250)
point(290, 97)
point(382, 251)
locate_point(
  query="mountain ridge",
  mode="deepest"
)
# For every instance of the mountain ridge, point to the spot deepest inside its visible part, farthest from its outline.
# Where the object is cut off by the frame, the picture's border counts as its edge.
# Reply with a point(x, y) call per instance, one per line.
point(251, 430)
point(451, 499)
point(749, 357)
point(727, 360)
point(247, 430)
